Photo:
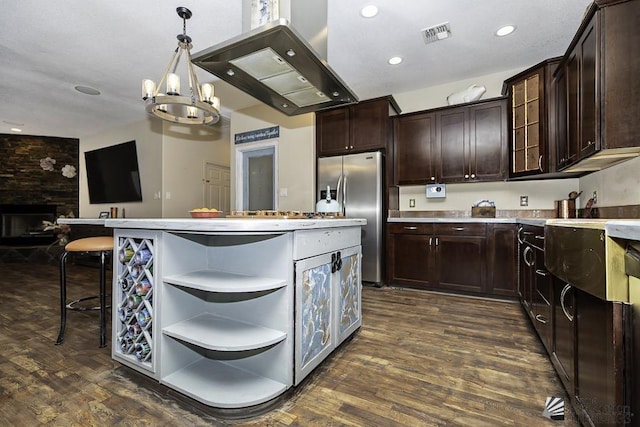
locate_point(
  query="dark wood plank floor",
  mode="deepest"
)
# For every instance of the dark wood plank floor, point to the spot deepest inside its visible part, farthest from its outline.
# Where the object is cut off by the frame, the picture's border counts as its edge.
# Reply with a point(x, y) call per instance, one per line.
point(420, 359)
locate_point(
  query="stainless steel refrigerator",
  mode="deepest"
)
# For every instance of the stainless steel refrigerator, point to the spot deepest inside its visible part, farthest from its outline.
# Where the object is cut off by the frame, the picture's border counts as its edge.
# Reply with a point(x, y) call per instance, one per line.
point(355, 181)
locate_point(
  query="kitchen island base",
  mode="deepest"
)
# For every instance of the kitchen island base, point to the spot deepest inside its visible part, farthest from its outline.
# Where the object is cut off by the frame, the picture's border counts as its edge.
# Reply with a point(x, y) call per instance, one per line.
point(234, 319)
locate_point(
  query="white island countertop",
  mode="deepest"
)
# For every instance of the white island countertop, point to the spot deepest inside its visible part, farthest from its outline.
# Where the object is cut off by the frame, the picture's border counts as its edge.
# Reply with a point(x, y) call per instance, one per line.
point(220, 224)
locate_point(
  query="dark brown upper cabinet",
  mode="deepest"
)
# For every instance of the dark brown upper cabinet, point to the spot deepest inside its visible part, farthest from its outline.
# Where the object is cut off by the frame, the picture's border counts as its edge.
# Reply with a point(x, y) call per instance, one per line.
point(532, 119)
point(355, 128)
point(598, 80)
point(463, 143)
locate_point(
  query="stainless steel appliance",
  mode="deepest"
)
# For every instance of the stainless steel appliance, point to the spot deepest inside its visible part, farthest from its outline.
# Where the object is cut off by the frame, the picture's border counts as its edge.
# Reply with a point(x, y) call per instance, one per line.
point(355, 181)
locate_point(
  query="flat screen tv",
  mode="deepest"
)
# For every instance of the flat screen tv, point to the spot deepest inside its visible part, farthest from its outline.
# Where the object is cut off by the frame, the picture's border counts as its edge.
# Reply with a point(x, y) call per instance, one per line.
point(112, 174)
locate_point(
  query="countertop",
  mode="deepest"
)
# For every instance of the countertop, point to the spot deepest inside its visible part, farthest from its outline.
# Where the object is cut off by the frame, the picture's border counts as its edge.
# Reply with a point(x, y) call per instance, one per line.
point(619, 228)
point(453, 219)
point(219, 224)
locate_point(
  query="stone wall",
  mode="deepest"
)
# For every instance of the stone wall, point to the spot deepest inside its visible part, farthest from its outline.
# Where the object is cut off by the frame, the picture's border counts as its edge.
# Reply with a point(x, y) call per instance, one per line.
point(23, 181)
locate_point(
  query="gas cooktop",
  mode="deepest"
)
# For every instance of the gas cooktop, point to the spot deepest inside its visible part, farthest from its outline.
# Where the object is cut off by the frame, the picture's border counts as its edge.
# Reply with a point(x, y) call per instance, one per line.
point(284, 214)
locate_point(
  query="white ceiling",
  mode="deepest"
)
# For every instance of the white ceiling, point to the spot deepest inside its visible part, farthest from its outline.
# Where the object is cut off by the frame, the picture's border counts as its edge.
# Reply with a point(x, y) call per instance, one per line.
point(48, 47)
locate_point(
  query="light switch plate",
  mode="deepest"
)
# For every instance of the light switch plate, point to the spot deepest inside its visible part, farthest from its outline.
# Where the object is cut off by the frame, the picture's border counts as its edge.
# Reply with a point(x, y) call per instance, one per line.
point(436, 191)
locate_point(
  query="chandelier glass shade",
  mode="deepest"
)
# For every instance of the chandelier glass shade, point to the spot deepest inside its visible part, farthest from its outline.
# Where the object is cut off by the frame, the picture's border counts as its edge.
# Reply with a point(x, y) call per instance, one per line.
point(196, 106)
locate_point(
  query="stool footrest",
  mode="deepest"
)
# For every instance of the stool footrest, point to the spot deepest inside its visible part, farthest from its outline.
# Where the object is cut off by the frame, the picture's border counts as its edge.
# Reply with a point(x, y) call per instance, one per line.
point(72, 304)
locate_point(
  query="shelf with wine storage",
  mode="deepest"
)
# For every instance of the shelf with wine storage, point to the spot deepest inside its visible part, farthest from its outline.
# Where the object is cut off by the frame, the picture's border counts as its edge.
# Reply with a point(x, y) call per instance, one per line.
point(133, 300)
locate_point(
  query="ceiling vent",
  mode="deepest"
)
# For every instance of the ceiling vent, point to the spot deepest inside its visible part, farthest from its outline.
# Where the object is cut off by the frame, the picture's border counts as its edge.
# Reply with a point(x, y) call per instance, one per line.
point(436, 33)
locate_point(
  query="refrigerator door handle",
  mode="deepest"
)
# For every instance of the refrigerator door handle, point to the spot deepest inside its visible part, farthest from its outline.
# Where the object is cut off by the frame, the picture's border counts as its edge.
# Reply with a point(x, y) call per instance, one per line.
point(344, 196)
point(338, 190)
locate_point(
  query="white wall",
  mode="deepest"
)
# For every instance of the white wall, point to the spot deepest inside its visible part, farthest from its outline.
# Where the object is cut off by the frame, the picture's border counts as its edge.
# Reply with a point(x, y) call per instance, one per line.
point(296, 153)
point(186, 150)
point(506, 195)
point(436, 96)
point(171, 160)
point(618, 185)
point(148, 137)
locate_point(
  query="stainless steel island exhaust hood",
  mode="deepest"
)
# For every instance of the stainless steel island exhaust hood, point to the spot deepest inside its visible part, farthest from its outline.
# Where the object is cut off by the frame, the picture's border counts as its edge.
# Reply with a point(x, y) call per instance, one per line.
point(278, 65)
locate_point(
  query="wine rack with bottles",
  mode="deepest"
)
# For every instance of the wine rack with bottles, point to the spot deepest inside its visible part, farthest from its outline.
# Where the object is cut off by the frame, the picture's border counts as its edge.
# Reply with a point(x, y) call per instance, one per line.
point(133, 300)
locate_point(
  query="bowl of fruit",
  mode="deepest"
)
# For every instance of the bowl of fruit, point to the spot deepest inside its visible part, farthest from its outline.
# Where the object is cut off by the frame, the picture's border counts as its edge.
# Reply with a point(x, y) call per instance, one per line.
point(206, 213)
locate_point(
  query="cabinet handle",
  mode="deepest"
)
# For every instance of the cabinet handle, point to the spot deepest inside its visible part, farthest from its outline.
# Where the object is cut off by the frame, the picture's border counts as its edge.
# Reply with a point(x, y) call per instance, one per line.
point(542, 273)
point(466, 176)
point(433, 178)
point(430, 240)
point(437, 241)
point(589, 142)
point(525, 255)
point(566, 289)
point(346, 147)
point(458, 228)
point(351, 147)
point(562, 160)
point(540, 163)
point(410, 228)
point(520, 238)
point(540, 318)
point(473, 176)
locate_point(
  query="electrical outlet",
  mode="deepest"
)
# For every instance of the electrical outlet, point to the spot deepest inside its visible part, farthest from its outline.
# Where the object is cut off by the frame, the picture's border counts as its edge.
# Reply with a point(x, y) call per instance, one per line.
point(595, 197)
point(412, 203)
point(524, 200)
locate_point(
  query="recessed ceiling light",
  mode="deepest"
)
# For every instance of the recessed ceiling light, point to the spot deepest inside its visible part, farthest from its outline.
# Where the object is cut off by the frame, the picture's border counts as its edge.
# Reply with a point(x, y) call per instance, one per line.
point(16, 130)
point(87, 90)
point(369, 11)
point(395, 60)
point(505, 31)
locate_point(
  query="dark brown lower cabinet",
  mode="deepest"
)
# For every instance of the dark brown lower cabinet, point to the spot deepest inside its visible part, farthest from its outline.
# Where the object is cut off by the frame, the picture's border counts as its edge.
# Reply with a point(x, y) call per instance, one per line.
point(563, 347)
point(590, 352)
point(471, 258)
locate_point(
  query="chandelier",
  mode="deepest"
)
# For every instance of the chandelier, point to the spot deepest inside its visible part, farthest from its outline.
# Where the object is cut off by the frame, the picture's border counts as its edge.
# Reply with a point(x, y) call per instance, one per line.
point(199, 106)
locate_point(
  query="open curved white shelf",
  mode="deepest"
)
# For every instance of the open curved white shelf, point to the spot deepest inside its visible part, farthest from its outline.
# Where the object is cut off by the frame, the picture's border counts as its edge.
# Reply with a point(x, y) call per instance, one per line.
point(222, 334)
point(218, 384)
point(219, 281)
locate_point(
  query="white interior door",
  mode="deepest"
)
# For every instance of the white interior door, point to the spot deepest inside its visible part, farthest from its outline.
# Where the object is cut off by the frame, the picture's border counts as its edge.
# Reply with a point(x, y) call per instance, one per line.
point(217, 188)
point(257, 176)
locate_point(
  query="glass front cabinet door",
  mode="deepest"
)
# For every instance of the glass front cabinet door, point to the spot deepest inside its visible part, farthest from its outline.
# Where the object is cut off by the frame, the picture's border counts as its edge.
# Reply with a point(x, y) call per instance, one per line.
point(328, 305)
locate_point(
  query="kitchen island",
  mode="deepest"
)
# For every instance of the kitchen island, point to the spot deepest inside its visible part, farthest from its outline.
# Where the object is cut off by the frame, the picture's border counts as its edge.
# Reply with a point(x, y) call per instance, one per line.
point(233, 312)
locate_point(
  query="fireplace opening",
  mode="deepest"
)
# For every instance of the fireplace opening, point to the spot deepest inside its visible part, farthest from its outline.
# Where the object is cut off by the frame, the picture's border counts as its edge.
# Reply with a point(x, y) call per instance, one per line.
point(21, 225)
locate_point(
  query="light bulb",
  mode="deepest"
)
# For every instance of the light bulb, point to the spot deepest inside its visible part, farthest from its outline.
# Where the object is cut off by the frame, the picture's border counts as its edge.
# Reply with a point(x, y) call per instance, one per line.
point(192, 112)
point(207, 92)
point(173, 84)
point(216, 103)
point(148, 87)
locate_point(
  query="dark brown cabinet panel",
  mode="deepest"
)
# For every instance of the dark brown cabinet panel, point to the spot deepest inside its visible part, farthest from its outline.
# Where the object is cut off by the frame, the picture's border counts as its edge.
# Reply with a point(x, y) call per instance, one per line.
point(598, 77)
point(532, 118)
point(468, 258)
point(487, 142)
point(332, 131)
point(415, 137)
point(453, 144)
point(355, 128)
point(563, 347)
point(460, 263)
point(501, 260)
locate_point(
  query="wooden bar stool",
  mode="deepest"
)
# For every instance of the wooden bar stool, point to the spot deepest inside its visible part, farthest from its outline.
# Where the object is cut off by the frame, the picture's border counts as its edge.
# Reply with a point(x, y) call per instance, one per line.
point(103, 246)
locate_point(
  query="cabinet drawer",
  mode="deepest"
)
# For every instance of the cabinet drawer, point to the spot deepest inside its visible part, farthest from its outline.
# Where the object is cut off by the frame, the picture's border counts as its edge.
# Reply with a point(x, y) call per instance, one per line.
point(460, 228)
point(410, 228)
point(307, 243)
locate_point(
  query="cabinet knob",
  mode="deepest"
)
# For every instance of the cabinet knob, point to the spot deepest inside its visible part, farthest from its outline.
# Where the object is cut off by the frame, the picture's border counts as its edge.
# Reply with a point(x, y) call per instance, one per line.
point(346, 147)
point(433, 178)
point(466, 176)
point(473, 176)
point(589, 142)
point(351, 147)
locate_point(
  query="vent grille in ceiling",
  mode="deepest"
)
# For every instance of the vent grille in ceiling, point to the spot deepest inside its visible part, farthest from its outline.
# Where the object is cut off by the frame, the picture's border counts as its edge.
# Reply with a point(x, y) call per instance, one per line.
point(436, 33)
